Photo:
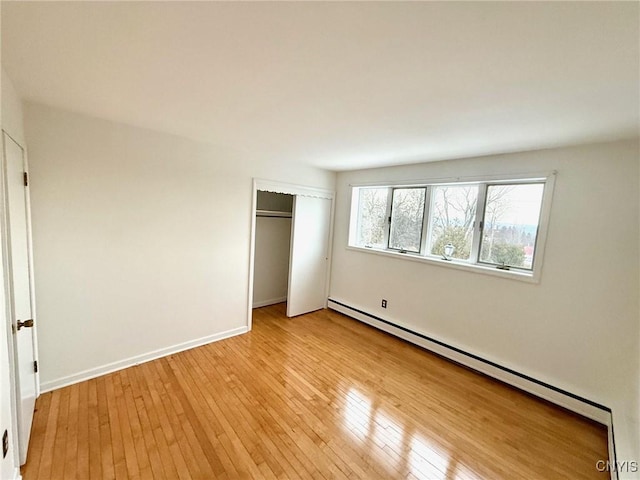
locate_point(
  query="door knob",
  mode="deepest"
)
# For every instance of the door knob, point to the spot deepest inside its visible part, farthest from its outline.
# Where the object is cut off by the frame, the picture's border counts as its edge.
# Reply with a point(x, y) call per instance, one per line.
point(26, 323)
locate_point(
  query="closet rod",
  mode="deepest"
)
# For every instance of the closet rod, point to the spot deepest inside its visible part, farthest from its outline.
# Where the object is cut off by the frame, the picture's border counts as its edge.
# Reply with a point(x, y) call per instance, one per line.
point(272, 213)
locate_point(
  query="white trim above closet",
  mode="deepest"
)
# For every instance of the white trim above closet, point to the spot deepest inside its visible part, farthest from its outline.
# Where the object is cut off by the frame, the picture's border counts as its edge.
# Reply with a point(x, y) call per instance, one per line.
point(291, 189)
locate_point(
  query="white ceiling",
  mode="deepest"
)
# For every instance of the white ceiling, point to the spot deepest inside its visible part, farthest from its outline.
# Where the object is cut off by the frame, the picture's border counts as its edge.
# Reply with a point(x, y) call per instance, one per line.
point(338, 85)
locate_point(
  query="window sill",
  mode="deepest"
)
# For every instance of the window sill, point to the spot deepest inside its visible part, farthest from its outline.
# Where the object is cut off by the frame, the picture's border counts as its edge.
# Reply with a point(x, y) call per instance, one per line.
point(529, 277)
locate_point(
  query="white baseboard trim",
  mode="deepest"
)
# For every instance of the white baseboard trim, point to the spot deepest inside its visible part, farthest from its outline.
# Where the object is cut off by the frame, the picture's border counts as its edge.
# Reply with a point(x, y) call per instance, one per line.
point(138, 359)
point(271, 301)
point(567, 400)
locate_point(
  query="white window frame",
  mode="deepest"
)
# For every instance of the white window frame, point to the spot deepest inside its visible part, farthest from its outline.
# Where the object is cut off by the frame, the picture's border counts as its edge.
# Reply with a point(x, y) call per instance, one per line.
point(532, 275)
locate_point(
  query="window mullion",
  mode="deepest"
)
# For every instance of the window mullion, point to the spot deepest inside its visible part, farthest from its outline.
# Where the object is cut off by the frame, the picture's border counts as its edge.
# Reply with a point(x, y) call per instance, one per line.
point(387, 231)
point(479, 223)
point(425, 220)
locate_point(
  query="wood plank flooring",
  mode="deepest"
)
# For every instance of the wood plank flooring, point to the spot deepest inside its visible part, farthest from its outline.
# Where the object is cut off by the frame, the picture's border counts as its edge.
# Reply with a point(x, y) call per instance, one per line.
point(318, 396)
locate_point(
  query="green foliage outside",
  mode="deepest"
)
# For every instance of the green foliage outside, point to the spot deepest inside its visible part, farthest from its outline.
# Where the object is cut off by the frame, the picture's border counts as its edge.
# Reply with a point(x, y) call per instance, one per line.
point(457, 236)
point(503, 253)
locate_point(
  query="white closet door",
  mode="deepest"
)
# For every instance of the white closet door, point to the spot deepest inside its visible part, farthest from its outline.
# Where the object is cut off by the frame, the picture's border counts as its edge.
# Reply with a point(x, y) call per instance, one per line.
point(309, 255)
point(21, 291)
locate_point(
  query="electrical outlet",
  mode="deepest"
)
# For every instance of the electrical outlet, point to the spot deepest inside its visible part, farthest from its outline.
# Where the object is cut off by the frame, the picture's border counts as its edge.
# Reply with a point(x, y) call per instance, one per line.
point(5, 443)
point(384, 303)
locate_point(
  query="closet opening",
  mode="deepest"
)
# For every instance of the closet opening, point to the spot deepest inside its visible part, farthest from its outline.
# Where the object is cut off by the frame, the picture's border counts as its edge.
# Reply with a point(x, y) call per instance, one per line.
point(291, 234)
point(272, 248)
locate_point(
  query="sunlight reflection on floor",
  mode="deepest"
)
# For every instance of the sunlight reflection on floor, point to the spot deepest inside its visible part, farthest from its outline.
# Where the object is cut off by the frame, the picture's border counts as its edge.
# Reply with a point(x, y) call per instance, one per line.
point(399, 452)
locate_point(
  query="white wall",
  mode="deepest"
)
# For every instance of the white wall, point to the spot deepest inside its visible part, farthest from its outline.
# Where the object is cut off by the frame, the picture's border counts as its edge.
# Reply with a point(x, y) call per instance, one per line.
point(12, 123)
point(141, 239)
point(271, 274)
point(12, 114)
point(577, 329)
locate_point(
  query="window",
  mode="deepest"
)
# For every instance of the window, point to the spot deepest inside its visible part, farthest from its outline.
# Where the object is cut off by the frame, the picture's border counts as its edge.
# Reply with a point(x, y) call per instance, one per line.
point(407, 213)
point(452, 219)
point(487, 225)
point(372, 217)
point(511, 218)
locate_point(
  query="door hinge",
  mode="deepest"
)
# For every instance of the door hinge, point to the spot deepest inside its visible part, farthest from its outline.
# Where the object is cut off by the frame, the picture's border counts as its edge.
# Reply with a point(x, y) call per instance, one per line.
point(26, 179)
point(35, 366)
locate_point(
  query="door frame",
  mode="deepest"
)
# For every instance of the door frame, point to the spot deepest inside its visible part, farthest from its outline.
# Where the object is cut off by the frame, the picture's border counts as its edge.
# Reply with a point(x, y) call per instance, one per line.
point(290, 189)
point(8, 292)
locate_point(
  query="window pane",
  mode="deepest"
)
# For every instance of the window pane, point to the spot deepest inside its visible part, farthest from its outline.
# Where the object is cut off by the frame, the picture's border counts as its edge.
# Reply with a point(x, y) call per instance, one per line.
point(407, 211)
point(453, 212)
point(511, 222)
point(372, 215)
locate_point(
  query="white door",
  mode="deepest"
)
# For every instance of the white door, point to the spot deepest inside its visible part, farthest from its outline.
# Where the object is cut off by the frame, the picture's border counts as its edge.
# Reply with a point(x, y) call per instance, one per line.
point(310, 231)
point(22, 319)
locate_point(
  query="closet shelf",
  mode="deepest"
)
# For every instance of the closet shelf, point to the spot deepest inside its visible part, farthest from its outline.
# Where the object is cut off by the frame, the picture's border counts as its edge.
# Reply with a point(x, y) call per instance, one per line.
point(272, 213)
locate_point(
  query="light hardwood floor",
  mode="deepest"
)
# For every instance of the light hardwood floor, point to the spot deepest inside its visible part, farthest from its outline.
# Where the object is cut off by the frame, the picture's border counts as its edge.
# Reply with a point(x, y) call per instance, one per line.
point(317, 396)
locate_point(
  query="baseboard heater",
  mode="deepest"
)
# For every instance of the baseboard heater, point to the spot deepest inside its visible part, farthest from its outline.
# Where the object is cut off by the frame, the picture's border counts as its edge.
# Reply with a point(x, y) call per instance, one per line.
point(576, 403)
